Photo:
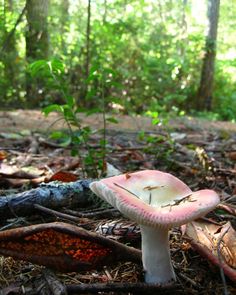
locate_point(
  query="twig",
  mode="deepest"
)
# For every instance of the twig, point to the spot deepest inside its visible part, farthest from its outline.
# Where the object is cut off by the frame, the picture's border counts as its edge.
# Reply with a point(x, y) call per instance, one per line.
point(96, 213)
point(118, 287)
point(116, 184)
point(56, 213)
point(17, 222)
point(177, 202)
point(192, 282)
point(205, 252)
point(220, 261)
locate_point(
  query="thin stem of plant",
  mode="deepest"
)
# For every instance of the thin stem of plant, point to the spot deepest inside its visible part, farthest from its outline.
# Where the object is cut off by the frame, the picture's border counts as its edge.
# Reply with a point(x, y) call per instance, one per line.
point(104, 124)
point(78, 125)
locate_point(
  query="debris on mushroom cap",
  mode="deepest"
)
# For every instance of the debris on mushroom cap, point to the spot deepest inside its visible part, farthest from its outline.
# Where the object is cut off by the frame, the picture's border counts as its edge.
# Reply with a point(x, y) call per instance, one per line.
point(155, 198)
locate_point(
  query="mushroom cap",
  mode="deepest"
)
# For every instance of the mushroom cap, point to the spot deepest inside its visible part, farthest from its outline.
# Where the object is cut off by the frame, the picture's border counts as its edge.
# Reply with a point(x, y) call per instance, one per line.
point(154, 198)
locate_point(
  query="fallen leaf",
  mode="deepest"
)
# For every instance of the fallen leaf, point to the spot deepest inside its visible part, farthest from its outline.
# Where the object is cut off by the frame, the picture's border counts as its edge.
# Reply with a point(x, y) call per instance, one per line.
point(63, 176)
point(3, 155)
point(231, 156)
point(210, 240)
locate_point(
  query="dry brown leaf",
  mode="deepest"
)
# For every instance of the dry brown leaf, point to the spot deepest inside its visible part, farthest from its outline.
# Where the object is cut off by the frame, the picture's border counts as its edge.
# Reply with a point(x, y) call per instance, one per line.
point(211, 235)
point(216, 243)
point(63, 176)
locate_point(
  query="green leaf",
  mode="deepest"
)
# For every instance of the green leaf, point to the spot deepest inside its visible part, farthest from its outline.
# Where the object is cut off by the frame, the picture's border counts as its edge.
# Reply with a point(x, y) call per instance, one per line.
point(80, 110)
point(74, 152)
point(94, 68)
point(70, 101)
point(91, 93)
point(103, 142)
point(115, 84)
point(93, 111)
point(112, 120)
point(156, 121)
point(57, 135)
point(52, 108)
point(92, 77)
point(64, 139)
point(68, 113)
point(56, 67)
point(37, 67)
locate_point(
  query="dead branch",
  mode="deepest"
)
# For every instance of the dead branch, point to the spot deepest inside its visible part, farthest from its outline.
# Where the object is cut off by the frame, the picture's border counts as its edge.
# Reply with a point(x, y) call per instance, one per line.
point(135, 288)
point(51, 195)
point(57, 214)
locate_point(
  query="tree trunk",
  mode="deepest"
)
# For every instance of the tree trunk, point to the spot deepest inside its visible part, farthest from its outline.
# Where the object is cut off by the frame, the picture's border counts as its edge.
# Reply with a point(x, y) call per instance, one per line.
point(84, 89)
point(204, 97)
point(87, 66)
point(37, 42)
point(64, 24)
point(9, 58)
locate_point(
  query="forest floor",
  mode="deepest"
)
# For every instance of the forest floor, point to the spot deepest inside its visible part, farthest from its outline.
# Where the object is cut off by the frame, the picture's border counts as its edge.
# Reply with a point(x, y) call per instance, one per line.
point(201, 153)
point(19, 120)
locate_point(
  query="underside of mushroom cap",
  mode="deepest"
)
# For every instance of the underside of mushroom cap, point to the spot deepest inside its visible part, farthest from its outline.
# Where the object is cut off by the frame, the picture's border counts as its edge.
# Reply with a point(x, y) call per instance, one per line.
point(155, 198)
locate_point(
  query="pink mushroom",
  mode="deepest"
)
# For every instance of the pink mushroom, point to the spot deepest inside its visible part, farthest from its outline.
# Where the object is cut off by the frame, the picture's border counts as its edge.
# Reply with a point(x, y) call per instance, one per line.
point(157, 201)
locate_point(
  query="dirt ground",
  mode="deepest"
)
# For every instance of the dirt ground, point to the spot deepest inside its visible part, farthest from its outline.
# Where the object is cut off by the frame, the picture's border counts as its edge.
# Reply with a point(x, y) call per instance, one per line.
point(34, 120)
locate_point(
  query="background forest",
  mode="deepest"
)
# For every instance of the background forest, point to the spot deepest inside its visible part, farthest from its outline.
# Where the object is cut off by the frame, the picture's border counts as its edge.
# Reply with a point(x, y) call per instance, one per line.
point(138, 55)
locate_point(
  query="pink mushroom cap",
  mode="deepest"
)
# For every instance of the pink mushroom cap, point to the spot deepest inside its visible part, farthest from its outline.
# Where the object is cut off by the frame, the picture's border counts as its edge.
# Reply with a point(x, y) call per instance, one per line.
point(154, 198)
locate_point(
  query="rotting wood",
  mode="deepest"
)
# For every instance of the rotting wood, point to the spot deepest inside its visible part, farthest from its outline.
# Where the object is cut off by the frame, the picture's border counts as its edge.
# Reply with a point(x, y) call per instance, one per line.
point(52, 195)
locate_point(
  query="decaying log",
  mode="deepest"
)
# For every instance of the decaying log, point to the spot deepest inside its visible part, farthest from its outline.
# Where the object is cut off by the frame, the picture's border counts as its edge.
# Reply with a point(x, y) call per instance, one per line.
point(52, 195)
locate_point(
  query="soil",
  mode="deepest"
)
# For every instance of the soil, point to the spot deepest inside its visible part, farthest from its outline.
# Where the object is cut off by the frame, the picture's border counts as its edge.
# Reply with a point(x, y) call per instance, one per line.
point(19, 120)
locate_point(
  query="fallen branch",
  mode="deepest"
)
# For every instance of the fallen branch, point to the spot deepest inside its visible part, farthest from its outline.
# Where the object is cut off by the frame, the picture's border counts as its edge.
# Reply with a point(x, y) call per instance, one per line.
point(57, 214)
point(52, 195)
point(205, 252)
point(120, 287)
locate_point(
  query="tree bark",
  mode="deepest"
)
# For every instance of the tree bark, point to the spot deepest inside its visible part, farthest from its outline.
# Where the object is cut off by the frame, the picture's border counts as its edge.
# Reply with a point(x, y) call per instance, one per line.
point(64, 23)
point(88, 31)
point(204, 97)
point(51, 195)
point(37, 41)
point(9, 56)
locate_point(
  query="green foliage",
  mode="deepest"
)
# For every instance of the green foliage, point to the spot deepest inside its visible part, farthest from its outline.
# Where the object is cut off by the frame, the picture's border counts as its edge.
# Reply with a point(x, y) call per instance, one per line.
point(155, 47)
point(162, 146)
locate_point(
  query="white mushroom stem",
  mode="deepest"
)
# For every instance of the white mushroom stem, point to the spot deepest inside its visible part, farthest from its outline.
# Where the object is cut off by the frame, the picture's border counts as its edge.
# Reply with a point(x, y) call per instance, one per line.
point(156, 255)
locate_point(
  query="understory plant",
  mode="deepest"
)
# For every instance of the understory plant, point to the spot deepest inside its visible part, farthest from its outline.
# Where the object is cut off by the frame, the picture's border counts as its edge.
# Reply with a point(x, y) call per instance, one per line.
point(76, 136)
point(161, 144)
